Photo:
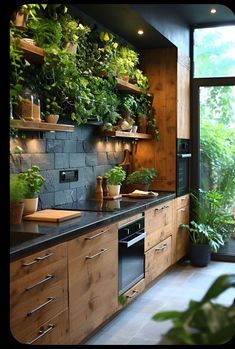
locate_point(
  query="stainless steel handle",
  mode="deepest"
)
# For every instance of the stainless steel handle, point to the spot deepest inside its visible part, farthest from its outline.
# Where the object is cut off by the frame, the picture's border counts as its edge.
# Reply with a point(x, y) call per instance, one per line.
point(136, 239)
point(49, 300)
point(133, 294)
point(95, 236)
point(184, 156)
point(183, 209)
point(47, 278)
point(161, 248)
point(97, 254)
point(37, 259)
point(42, 333)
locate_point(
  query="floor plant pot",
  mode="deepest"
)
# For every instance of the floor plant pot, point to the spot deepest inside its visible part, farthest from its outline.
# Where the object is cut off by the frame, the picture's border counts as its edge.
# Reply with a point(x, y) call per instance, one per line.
point(30, 206)
point(199, 254)
point(16, 212)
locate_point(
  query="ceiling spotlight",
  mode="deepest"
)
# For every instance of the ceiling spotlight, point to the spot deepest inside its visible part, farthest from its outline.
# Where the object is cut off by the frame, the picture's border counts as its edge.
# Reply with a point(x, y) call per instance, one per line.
point(140, 32)
point(213, 10)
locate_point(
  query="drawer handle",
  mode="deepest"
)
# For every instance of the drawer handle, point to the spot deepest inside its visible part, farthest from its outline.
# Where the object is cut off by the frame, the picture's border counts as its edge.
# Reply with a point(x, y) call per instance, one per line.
point(95, 236)
point(49, 300)
point(162, 208)
point(37, 259)
point(97, 254)
point(47, 278)
point(133, 294)
point(42, 333)
point(161, 248)
point(183, 209)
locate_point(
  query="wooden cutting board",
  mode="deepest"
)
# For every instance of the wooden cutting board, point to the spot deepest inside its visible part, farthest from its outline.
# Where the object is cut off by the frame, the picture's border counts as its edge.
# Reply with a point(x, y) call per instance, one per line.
point(50, 215)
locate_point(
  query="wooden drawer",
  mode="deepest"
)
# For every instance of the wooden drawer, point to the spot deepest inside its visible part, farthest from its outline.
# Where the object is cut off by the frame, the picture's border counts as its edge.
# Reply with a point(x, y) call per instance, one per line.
point(55, 331)
point(157, 259)
point(93, 283)
point(182, 236)
point(92, 242)
point(154, 237)
point(129, 219)
point(36, 261)
point(132, 293)
point(182, 201)
point(38, 297)
point(158, 217)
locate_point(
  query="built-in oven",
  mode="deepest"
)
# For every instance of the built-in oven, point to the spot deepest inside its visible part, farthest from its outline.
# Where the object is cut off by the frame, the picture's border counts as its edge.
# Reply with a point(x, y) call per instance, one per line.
point(130, 254)
point(182, 166)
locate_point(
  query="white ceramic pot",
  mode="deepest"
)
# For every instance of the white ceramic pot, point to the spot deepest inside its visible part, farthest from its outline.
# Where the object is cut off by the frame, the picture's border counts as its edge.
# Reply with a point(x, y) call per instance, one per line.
point(30, 206)
point(114, 190)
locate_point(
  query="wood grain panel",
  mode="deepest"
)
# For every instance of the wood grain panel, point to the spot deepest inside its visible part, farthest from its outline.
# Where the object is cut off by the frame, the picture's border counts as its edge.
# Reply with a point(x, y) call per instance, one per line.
point(133, 292)
point(157, 260)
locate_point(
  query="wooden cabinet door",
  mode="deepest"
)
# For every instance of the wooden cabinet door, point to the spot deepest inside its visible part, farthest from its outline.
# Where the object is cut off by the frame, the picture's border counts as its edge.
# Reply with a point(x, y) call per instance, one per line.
point(157, 260)
point(182, 237)
point(93, 280)
point(183, 96)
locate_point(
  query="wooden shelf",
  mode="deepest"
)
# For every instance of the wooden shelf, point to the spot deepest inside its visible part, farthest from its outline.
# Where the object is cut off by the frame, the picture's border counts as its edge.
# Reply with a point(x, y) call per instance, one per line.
point(40, 126)
point(124, 134)
point(128, 87)
point(32, 53)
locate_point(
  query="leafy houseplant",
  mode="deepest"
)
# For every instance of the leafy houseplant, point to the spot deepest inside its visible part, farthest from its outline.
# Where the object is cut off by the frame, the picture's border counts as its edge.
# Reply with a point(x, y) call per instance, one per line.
point(142, 178)
point(46, 33)
point(204, 322)
point(115, 177)
point(126, 61)
point(140, 79)
point(18, 189)
point(34, 182)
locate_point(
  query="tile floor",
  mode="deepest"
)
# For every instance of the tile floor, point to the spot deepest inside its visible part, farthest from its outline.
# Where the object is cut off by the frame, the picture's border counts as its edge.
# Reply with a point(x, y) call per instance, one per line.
point(134, 326)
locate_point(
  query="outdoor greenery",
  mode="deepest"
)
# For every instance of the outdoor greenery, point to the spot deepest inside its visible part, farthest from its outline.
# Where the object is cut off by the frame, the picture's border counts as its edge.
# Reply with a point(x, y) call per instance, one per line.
point(204, 322)
point(33, 181)
point(116, 175)
point(142, 176)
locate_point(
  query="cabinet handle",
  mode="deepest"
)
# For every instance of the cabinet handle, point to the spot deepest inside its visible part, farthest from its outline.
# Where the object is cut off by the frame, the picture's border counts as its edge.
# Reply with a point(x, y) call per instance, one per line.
point(49, 300)
point(42, 333)
point(162, 208)
point(133, 294)
point(161, 248)
point(97, 254)
point(37, 259)
point(183, 209)
point(47, 278)
point(95, 236)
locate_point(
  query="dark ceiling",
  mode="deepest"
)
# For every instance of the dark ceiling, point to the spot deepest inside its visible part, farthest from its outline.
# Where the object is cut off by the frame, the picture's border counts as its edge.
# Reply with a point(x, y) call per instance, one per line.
point(122, 18)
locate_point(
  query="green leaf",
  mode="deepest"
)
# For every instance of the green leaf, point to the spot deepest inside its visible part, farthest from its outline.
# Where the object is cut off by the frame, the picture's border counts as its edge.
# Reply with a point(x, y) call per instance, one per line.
point(221, 284)
point(166, 315)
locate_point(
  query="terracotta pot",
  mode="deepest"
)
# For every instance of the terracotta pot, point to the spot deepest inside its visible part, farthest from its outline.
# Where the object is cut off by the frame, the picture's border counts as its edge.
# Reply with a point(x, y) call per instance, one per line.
point(20, 20)
point(52, 118)
point(16, 212)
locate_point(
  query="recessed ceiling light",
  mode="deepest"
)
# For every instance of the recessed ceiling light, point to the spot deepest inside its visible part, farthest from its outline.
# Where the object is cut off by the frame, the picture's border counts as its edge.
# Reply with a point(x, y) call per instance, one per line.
point(213, 10)
point(140, 32)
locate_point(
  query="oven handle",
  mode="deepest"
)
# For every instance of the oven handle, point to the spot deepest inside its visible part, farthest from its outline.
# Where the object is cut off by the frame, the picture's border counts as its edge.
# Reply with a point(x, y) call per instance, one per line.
point(184, 155)
point(140, 236)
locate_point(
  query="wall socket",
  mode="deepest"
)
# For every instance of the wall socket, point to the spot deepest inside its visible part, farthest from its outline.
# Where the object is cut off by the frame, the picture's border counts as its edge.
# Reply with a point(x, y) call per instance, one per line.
point(68, 176)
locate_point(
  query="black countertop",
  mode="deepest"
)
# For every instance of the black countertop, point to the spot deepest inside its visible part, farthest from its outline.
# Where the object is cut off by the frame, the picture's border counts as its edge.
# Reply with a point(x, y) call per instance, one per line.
point(30, 236)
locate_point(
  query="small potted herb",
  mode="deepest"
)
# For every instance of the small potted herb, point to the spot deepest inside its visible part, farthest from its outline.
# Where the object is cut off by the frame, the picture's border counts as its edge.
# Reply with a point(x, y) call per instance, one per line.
point(34, 182)
point(52, 110)
point(142, 178)
point(115, 178)
point(18, 190)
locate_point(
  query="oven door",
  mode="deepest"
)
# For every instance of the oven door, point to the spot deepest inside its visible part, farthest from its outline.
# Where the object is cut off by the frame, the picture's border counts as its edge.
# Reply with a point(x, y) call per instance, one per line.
point(131, 260)
point(182, 174)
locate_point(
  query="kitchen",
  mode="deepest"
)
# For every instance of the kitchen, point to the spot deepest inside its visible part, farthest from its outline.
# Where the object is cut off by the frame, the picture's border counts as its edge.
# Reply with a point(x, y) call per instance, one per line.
point(70, 160)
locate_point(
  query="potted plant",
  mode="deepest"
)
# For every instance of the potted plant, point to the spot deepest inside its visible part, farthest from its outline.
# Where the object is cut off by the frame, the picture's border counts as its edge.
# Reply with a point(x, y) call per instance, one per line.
point(34, 182)
point(143, 110)
point(126, 61)
point(18, 191)
point(205, 235)
point(142, 178)
point(52, 110)
point(140, 79)
point(204, 322)
point(115, 177)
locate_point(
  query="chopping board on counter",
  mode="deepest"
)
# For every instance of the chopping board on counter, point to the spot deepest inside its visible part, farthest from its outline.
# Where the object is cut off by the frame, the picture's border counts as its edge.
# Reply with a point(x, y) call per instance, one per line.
point(50, 215)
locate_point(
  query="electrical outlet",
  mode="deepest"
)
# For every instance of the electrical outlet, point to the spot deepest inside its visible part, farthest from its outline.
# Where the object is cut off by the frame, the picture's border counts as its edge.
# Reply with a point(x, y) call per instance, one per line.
point(68, 176)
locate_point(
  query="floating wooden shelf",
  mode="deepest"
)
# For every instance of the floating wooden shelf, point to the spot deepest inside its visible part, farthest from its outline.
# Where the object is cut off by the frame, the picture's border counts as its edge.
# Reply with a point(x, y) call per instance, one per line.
point(128, 87)
point(32, 53)
point(123, 134)
point(40, 126)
